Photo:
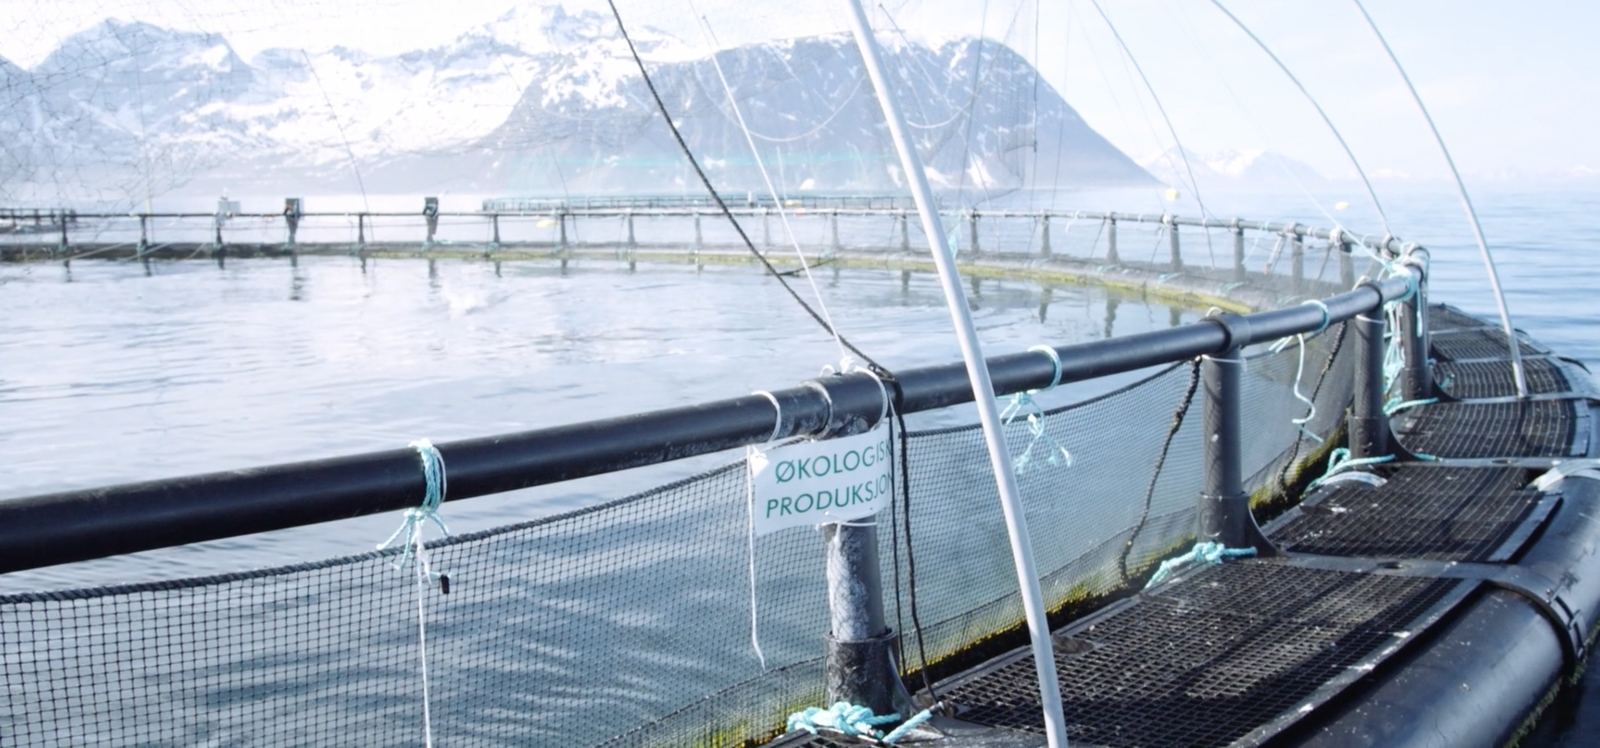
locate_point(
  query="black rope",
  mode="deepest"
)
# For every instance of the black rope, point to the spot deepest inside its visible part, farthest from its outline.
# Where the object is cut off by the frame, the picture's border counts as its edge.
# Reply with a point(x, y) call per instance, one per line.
point(905, 517)
point(894, 544)
point(1166, 446)
point(684, 146)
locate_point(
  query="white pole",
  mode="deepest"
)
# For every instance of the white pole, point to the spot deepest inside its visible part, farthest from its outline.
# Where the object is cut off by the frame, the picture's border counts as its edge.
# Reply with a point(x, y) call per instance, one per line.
point(1517, 373)
point(982, 388)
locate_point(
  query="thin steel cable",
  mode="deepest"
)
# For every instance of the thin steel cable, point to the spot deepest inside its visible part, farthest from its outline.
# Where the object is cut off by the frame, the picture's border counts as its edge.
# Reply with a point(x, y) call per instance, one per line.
point(1373, 195)
point(345, 139)
point(717, 198)
point(766, 178)
point(1182, 154)
point(1466, 203)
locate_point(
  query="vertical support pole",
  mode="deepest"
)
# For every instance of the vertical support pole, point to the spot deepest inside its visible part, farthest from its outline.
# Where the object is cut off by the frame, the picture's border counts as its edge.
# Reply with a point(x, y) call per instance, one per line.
point(144, 235)
point(64, 241)
point(972, 229)
point(291, 216)
point(1239, 274)
point(361, 229)
point(1369, 428)
point(1297, 256)
point(631, 242)
point(1177, 254)
point(833, 226)
point(1016, 520)
point(905, 233)
point(699, 239)
point(561, 220)
point(1044, 235)
point(1416, 383)
point(1224, 506)
point(766, 226)
point(1111, 241)
point(494, 220)
point(430, 213)
point(1347, 265)
point(859, 643)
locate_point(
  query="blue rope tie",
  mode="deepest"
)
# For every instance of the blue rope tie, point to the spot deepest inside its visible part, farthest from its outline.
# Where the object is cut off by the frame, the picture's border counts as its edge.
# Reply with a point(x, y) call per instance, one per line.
point(1022, 404)
point(1203, 552)
point(1396, 405)
point(1339, 460)
point(433, 495)
point(907, 726)
point(852, 720)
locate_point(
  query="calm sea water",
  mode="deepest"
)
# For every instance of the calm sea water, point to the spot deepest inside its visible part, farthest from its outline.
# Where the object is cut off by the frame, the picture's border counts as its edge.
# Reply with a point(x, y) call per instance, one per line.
point(111, 373)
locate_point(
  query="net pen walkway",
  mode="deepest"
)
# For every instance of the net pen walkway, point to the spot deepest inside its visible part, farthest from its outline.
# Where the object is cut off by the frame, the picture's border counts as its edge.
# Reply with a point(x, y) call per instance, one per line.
point(1255, 651)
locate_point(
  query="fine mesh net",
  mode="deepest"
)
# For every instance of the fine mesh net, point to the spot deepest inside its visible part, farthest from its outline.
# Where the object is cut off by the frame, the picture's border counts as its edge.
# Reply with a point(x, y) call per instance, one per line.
point(629, 623)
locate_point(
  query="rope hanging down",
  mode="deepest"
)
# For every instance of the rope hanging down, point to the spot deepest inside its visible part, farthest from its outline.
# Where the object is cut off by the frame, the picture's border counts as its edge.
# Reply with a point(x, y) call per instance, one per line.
point(717, 198)
point(1161, 460)
point(416, 553)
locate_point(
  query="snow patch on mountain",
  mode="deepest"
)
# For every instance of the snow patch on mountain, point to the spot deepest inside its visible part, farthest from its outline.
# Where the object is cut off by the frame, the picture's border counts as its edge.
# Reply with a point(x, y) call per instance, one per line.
point(537, 100)
point(1231, 168)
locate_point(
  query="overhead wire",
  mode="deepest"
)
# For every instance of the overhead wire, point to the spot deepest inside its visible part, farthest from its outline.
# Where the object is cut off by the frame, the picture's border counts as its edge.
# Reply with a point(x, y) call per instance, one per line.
point(1466, 203)
point(717, 198)
point(1204, 54)
point(755, 153)
point(1182, 154)
point(1372, 194)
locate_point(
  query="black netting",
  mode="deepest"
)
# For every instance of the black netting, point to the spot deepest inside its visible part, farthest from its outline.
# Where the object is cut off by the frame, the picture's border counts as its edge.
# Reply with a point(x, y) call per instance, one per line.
point(627, 623)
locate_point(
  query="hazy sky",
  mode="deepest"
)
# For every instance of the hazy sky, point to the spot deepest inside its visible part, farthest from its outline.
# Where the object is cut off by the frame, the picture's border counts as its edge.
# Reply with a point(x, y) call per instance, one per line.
point(1513, 86)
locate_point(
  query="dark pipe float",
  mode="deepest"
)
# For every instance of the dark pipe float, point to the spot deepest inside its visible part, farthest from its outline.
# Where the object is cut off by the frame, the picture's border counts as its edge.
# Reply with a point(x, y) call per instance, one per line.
point(1479, 678)
point(73, 526)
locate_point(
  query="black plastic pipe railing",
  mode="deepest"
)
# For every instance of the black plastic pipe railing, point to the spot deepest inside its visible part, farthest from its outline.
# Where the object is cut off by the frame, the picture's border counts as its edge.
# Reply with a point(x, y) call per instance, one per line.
point(73, 526)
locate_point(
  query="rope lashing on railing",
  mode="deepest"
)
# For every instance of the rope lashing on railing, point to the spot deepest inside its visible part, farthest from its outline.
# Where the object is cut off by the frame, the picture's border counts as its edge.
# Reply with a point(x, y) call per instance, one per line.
point(854, 721)
point(1202, 552)
point(433, 495)
point(750, 517)
point(1022, 404)
point(416, 552)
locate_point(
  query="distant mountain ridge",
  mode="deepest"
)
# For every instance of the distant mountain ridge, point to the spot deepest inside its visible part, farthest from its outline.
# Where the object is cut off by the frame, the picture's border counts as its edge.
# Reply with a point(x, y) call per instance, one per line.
point(1231, 168)
point(539, 102)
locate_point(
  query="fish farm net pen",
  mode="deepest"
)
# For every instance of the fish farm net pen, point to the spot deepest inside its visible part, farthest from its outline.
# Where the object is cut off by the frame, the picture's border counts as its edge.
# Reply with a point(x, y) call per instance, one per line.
point(626, 623)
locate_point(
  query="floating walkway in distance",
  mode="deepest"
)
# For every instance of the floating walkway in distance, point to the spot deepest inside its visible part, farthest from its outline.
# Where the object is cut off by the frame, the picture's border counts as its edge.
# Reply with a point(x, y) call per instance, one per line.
point(1424, 601)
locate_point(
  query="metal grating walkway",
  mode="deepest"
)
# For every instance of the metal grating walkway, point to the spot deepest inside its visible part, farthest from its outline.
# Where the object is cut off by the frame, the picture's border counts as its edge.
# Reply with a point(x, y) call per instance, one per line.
point(1493, 378)
point(1536, 428)
point(1442, 317)
point(1231, 651)
point(1484, 343)
point(1427, 512)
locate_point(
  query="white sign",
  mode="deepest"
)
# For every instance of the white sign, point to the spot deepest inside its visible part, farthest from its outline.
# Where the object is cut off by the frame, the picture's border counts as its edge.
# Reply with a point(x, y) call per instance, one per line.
point(815, 483)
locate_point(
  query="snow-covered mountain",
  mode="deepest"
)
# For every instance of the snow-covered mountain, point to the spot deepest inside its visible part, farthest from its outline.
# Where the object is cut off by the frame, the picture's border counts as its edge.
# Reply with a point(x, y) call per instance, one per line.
point(538, 101)
point(1231, 168)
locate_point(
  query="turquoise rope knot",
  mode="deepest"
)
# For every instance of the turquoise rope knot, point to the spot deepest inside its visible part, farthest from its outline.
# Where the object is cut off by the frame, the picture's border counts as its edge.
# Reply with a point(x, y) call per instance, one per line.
point(844, 717)
point(1339, 460)
point(1203, 552)
point(1022, 404)
point(433, 495)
